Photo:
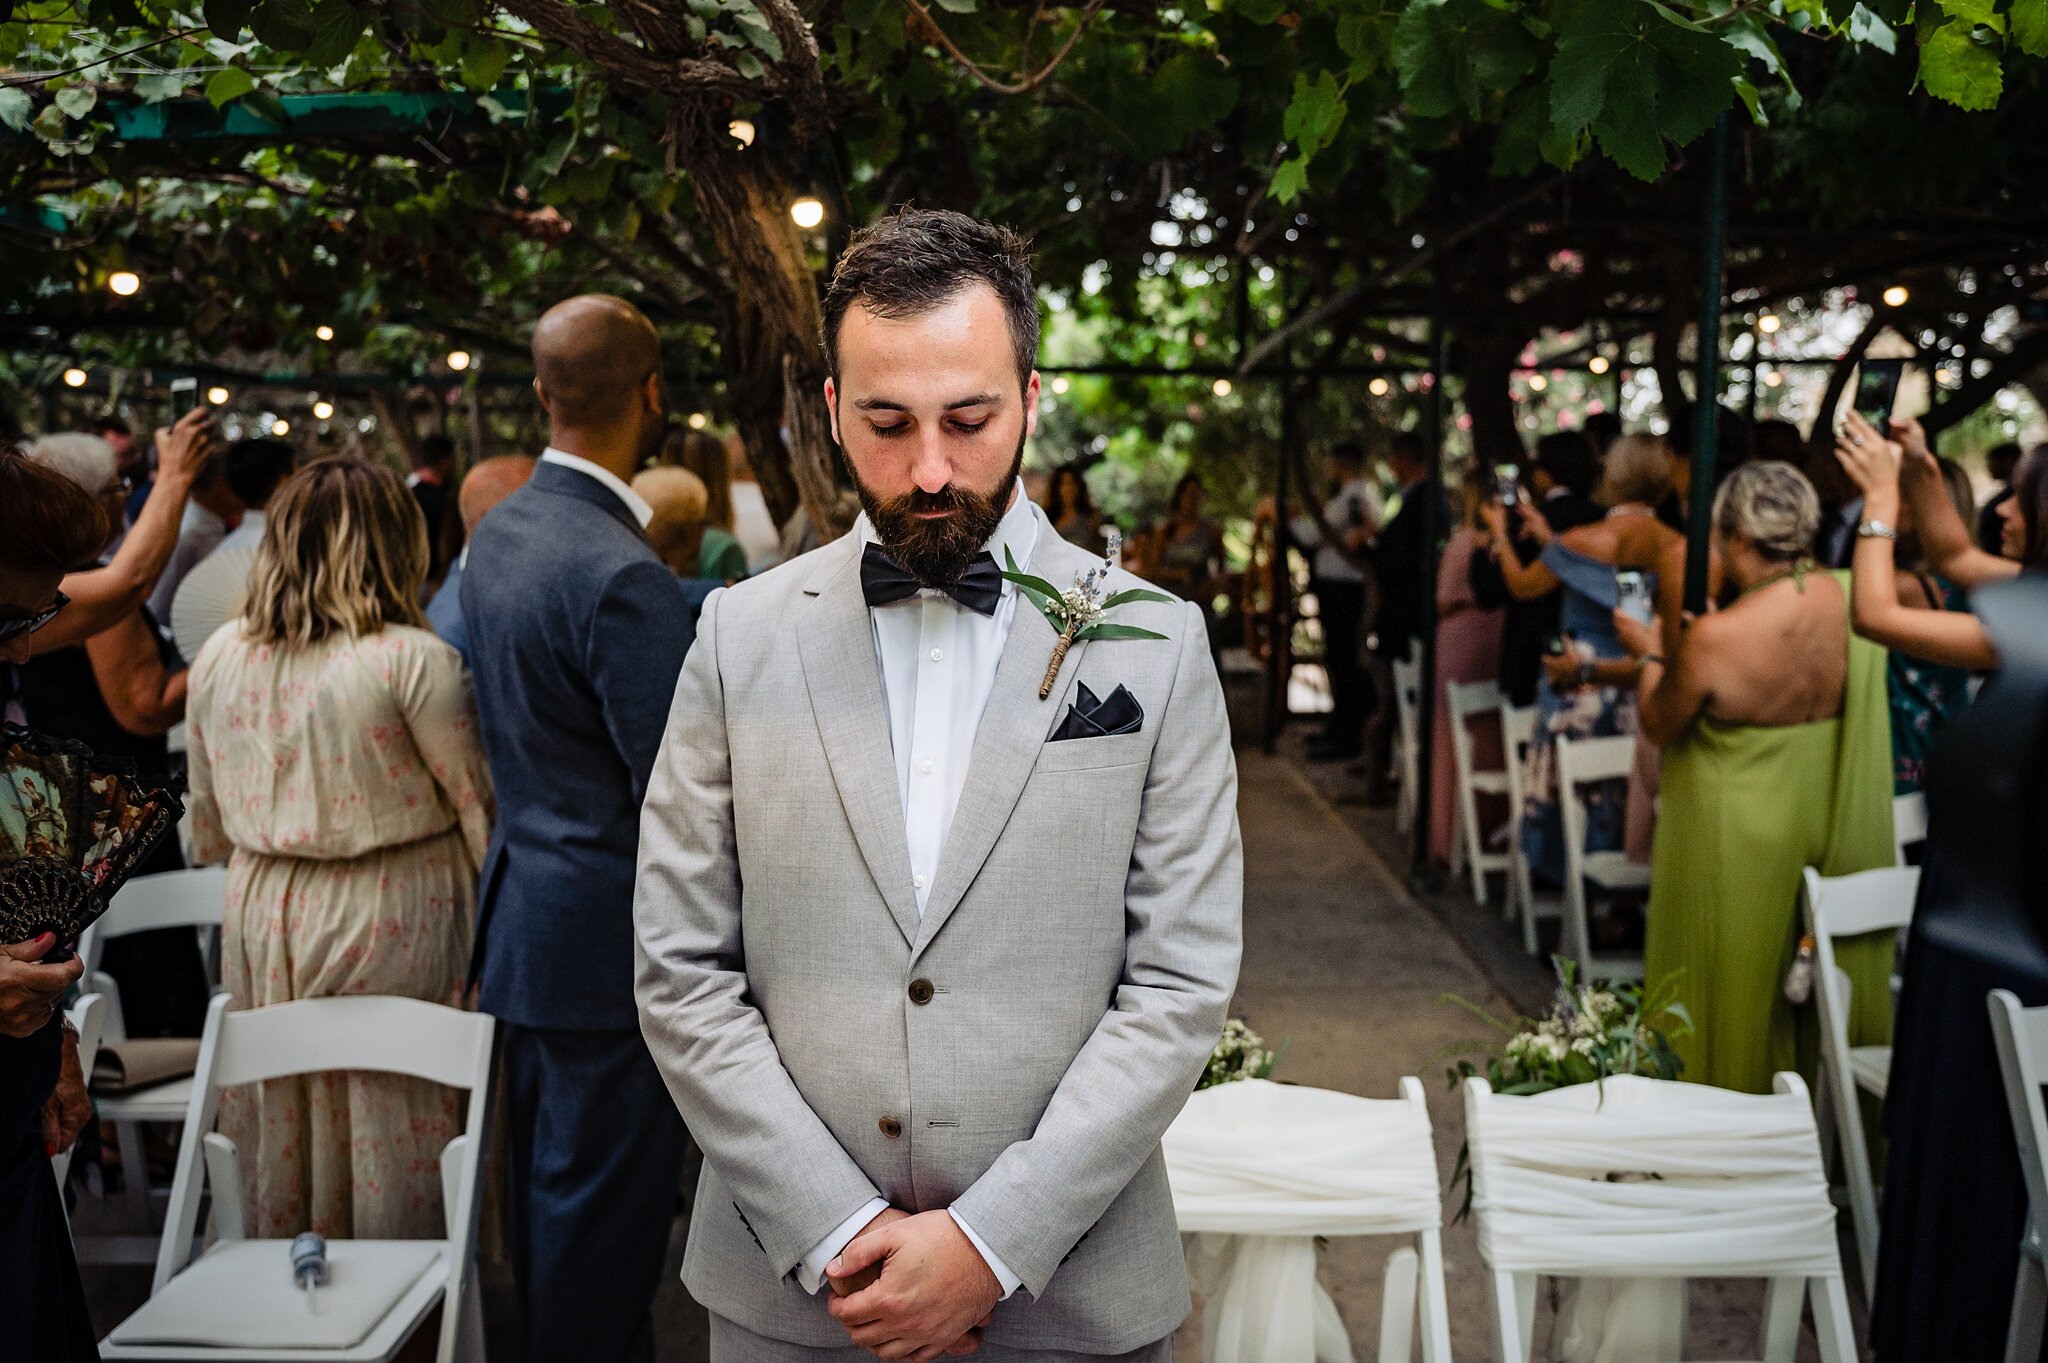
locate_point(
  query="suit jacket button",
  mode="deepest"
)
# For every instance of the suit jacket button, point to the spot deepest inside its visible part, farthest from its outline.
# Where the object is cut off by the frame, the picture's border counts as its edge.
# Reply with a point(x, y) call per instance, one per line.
point(920, 992)
point(891, 1127)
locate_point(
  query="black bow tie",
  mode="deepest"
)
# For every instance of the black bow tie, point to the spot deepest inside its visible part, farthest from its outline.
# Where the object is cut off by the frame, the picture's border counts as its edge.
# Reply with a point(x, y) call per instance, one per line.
point(883, 581)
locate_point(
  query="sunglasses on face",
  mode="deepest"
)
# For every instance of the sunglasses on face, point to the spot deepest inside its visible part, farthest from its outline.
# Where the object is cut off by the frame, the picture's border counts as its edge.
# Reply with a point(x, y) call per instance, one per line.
point(14, 626)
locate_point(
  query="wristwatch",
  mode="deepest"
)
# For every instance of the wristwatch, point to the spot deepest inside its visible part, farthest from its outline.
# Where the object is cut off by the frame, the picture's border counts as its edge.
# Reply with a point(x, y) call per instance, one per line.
point(1876, 530)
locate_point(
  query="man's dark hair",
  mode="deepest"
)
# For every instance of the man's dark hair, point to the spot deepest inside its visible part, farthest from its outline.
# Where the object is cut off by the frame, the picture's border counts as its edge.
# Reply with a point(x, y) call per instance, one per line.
point(110, 423)
point(1408, 446)
point(916, 259)
point(2001, 460)
point(432, 450)
point(1568, 458)
point(256, 467)
point(1602, 429)
point(1348, 453)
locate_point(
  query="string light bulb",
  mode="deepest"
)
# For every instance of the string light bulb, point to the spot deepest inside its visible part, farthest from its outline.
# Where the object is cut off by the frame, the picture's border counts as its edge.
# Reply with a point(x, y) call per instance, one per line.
point(1060, 384)
point(1221, 388)
point(217, 395)
point(1379, 387)
point(1537, 383)
point(324, 332)
point(698, 421)
point(807, 212)
point(280, 427)
point(1598, 364)
point(458, 360)
point(74, 377)
point(126, 283)
point(742, 131)
point(1769, 323)
point(322, 410)
point(1896, 296)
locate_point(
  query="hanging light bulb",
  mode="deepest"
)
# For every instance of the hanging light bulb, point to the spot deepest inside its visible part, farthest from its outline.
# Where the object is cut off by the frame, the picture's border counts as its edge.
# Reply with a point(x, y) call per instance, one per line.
point(217, 395)
point(1379, 387)
point(807, 212)
point(1769, 323)
point(1773, 378)
point(458, 360)
point(280, 427)
point(698, 421)
point(1221, 388)
point(1598, 364)
point(74, 377)
point(322, 410)
point(1537, 383)
point(1896, 296)
point(324, 332)
point(127, 283)
point(742, 131)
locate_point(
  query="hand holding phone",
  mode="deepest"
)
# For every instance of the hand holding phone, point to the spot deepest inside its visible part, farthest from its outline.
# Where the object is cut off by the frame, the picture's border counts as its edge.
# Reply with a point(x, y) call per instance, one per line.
point(1877, 389)
point(1633, 589)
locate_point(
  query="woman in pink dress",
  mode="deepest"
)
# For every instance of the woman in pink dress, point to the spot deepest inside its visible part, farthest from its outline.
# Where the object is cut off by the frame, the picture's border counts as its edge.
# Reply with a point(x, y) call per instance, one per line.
point(335, 763)
point(1467, 650)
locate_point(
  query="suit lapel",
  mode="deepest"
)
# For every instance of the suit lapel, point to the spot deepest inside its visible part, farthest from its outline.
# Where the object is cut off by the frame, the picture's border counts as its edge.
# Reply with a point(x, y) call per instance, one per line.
point(844, 679)
point(1013, 728)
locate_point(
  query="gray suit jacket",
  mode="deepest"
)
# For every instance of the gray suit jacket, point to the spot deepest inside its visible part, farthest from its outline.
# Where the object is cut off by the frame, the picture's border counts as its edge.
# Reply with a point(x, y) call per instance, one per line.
point(1016, 1053)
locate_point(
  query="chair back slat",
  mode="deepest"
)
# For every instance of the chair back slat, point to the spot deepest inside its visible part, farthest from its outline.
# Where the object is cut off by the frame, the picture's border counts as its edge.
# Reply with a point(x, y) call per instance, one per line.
point(354, 1032)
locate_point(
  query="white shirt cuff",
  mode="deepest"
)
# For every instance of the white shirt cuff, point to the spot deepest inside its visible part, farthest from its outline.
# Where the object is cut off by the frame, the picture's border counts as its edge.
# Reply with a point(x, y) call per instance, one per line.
point(1010, 1281)
point(810, 1272)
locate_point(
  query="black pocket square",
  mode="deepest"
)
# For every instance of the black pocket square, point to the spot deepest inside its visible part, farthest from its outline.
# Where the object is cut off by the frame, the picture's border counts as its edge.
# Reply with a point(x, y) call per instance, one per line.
point(1088, 717)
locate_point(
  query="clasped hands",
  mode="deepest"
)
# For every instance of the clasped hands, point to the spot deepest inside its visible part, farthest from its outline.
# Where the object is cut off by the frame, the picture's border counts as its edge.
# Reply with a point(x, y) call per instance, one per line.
point(913, 1287)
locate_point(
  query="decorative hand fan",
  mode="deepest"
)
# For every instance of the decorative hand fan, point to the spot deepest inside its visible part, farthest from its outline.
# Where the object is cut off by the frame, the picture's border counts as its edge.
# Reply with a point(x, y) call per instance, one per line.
point(211, 595)
point(73, 828)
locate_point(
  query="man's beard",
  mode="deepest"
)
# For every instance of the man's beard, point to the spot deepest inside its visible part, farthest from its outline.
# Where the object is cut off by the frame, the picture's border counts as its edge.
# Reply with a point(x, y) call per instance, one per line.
point(937, 552)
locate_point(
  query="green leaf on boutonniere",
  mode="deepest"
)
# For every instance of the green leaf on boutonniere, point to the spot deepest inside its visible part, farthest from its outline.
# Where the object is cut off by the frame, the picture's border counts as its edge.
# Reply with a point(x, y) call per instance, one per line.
point(1117, 632)
point(1136, 594)
point(1038, 589)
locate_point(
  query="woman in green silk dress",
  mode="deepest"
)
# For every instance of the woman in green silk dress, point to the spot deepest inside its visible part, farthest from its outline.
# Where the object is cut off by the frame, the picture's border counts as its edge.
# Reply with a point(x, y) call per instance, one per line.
point(1777, 756)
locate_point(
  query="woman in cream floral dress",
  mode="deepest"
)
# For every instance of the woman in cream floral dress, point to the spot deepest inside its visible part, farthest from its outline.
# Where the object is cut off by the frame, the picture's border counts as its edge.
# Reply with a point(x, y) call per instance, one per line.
point(335, 762)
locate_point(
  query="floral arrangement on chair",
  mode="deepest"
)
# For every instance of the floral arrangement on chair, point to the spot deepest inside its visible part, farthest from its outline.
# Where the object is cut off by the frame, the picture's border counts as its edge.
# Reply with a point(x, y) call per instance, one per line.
point(1241, 1053)
point(1592, 1032)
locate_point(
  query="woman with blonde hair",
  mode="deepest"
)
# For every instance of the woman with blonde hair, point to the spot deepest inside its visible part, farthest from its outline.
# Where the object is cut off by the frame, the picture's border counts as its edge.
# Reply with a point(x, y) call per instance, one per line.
point(1777, 757)
point(1587, 690)
point(335, 763)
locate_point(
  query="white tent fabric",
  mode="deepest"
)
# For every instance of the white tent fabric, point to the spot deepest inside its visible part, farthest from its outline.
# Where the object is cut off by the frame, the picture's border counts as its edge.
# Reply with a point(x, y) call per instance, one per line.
point(1258, 1171)
point(1664, 1180)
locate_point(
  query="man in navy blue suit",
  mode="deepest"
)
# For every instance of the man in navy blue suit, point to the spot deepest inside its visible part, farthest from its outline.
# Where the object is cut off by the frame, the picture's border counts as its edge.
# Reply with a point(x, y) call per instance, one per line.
point(576, 635)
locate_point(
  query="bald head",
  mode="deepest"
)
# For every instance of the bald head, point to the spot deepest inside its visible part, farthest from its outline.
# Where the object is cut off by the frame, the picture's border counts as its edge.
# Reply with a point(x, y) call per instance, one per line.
point(592, 358)
point(489, 483)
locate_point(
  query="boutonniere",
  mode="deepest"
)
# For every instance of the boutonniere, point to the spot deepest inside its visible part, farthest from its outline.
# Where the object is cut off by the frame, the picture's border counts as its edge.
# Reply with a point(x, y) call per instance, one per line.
point(1077, 612)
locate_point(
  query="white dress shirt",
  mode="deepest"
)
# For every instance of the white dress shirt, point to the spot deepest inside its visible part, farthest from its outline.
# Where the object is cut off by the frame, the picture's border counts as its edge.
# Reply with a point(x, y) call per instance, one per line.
point(618, 487)
point(1357, 502)
point(938, 662)
point(248, 534)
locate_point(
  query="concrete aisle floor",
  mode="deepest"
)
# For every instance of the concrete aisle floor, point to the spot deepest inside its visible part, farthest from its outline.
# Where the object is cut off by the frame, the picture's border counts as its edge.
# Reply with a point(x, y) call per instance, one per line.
point(1345, 970)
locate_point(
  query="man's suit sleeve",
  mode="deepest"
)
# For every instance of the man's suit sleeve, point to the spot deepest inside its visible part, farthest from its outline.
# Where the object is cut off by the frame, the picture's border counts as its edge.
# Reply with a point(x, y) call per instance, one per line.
point(639, 635)
point(1183, 907)
point(791, 1178)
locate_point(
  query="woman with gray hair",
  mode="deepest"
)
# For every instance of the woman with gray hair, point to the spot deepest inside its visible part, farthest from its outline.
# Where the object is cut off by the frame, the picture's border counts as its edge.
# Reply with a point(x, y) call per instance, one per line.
point(1777, 756)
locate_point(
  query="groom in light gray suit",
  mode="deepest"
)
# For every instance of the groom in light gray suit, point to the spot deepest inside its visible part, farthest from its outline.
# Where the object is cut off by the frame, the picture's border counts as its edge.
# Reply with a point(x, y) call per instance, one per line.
point(930, 962)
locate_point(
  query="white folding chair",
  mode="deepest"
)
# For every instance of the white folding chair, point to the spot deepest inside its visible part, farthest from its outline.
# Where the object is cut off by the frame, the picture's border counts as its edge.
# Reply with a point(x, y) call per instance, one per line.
point(1850, 906)
point(237, 1300)
point(1582, 762)
point(88, 1017)
point(2022, 1038)
point(1909, 823)
point(1407, 708)
point(1647, 1179)
point(1466, 701)
point(173, 899)
point(1518, 731)
point(1355, 1167)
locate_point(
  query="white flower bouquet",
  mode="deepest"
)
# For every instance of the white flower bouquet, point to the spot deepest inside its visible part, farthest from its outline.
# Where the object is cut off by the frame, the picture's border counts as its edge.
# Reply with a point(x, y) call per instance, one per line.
point(1241, 1053)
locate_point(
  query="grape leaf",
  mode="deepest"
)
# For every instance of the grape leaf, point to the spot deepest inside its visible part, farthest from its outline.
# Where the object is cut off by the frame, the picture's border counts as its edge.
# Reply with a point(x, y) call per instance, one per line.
point(227, 85)
point(283, 25)
point(227, 18)
point(483, 63)
point(337, 26)
point(1956, 67)
point(158, 87)
point(15, 107)
point(1983, 12)
point(1865, 27)
point(1316, 111)
point(2030, 26)
point(77, 100)
point(958, 6)
point(1634, 78)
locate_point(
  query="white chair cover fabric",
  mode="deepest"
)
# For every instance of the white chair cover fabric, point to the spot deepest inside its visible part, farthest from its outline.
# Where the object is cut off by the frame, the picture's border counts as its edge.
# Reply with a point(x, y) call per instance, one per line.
point(1258, 1170)
point(1672, 1180)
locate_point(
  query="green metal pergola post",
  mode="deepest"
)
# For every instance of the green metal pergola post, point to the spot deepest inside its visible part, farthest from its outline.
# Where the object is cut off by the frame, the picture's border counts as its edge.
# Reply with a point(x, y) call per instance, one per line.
point(1706, 382)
